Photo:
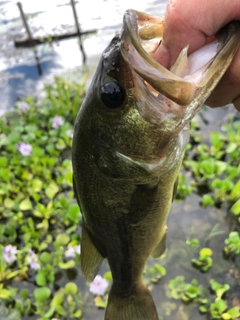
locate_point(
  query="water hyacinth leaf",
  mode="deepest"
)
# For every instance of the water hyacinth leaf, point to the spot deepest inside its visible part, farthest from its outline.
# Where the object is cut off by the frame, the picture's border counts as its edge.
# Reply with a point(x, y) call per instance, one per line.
point(3, 162)
point(100, 302)
point(37, 213)
point(37, 185)
point(220, 166)
point(207, 200)
point(40, 278)
point(66, 265)
point(231, 147)
point(49, 313)
point(233, 243)
point(74, 211)
point(26, 175)
point(43, 225)
point(8, 203)
point(51, 190)
point(45, 257)
point(58, 298)
point(51, 149)
point(71, 288)
point(235, 209)
point(108, 276)
point(206, 252)
point(60, 145)
point(235, 191)
point(203, 309)
point(24, 293)
point(234, 312)
point(217, 308)
point(5, 294)
point(63, 239)
point(25, 204)
point(61, 311)
point(41, 294)
point(78, 314)
point(226, 316)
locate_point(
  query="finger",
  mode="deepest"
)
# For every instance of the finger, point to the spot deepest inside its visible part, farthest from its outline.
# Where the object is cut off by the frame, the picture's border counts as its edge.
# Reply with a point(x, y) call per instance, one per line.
point(191, 22)
point(228, 89)
point(236, 103)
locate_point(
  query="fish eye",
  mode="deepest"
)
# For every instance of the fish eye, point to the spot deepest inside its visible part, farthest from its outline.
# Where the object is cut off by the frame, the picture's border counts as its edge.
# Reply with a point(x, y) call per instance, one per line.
point(112, 95)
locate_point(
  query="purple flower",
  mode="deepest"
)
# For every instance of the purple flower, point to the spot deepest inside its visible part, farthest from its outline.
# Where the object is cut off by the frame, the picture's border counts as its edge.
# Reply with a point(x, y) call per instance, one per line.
point(32, 260)
point(24, 148)
point(98, 286)
point(57, 122)
point(23, 106)
point(70, 133)
point(9, 253)
point(72, 251)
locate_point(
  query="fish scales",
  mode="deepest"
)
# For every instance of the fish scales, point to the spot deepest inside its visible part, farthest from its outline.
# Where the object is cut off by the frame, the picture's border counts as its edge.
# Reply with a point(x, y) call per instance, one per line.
point(128, 144)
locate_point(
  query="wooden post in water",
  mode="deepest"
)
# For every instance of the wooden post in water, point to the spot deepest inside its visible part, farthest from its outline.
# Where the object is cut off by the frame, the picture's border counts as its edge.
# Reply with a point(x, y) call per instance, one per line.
point(29, 36)
point(78, 31)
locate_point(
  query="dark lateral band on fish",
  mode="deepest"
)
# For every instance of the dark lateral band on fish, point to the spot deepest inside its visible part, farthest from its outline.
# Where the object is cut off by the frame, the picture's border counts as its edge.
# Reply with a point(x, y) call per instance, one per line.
point(128, 144)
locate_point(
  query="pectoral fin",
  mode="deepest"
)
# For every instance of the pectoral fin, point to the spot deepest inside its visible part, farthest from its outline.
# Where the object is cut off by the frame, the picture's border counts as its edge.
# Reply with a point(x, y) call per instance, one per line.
point(91, 258)
point(161, 247)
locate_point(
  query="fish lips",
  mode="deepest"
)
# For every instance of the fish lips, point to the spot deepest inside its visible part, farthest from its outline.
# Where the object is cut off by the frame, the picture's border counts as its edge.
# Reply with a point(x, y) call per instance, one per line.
point(180, 96)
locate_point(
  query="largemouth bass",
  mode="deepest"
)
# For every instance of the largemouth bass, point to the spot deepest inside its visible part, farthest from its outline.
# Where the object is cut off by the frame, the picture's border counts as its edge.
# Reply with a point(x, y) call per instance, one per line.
point(128, 146)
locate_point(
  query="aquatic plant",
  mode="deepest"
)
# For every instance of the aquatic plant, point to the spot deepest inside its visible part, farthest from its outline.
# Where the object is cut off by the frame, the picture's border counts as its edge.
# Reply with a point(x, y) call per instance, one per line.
point(204, 262)
point(40, 219)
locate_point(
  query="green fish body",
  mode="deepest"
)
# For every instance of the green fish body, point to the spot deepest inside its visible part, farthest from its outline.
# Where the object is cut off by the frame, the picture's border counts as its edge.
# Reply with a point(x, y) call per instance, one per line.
point(128, 146)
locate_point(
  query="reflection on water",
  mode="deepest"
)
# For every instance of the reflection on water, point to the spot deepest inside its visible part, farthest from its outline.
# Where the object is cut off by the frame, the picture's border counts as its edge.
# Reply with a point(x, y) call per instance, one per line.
point(55, 17)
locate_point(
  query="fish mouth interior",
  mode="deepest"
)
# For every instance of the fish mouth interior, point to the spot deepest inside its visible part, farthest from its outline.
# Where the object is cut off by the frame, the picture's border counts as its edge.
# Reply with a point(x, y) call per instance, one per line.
point(189, 76)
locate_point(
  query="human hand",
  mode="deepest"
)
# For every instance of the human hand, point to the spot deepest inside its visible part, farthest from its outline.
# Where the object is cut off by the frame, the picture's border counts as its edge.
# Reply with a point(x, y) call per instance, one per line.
point(191, 22)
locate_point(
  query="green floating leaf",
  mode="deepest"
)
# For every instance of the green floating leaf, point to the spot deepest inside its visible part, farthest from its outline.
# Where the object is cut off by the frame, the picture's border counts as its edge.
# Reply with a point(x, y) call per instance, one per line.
point(63, 239)
point(74, 211)
point(8, 203)
point(235, 191)
point(37, 185)
point(41, 294)
point(25, 204)
point(67, 265)
point(231, 147)
point(41, 279)
point(3, 162)
point(226, 316)
point(5, 294)
point(71, 288)
point(78, 314)
point(60, 144)
point(236, 208)
point(234, 312)
point(45, 257)
point(57, 299)
point(51, 190)
point(49, 313)
point(206, 252)
point(61, 311)
point(100, 303)
point(108, 276)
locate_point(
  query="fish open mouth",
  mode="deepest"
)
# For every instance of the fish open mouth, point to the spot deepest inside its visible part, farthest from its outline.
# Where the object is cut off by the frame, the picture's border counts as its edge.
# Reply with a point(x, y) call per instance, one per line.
point(192, 78)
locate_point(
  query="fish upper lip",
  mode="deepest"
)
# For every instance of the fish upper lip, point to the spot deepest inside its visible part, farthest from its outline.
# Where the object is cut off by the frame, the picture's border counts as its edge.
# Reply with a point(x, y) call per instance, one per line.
point(190, 91)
